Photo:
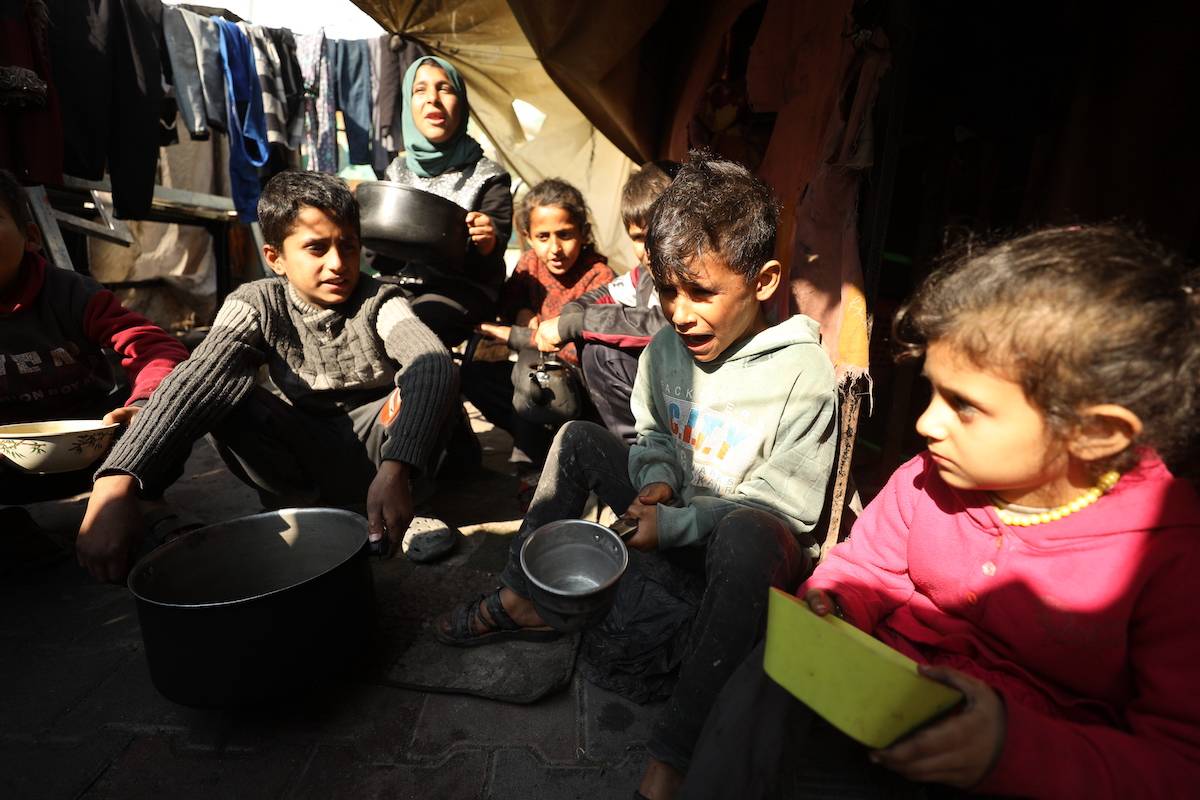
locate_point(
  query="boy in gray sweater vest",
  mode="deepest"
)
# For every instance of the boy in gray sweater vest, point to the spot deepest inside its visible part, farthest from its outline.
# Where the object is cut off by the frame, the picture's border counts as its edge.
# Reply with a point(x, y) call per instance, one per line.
point(343, 350)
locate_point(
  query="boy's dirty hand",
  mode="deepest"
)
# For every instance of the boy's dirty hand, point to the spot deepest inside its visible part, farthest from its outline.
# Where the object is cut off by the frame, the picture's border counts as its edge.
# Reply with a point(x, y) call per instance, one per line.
point(389, 504)
point(959, 750)
point(645, 538)
point(494, 330)
point(112, 526)
point(655, 493)
point(546, 337)
point(121, 416)
point(482, 232)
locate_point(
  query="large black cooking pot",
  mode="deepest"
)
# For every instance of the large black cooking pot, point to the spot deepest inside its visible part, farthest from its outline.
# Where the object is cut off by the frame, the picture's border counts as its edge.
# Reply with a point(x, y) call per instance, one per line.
point(250, 610)
point(413, 225)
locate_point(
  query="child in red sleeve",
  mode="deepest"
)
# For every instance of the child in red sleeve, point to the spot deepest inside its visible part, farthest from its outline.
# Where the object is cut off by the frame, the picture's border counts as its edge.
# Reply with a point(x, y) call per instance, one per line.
point(560, 265)
point(1039, 556)
point(53, 325)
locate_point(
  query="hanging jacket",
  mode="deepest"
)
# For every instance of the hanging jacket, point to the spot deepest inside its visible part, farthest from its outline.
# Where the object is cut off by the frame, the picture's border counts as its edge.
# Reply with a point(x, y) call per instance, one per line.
point(185, 71)
point(248, 147)
point(293, 84)
point(206, 41)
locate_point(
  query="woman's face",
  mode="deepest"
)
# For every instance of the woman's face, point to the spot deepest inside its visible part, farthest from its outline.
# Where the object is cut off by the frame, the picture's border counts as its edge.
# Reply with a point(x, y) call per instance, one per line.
point(435, 108)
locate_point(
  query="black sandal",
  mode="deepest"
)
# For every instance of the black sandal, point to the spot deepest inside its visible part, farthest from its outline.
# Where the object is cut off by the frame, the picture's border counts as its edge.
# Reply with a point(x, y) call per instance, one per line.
point(458, 627)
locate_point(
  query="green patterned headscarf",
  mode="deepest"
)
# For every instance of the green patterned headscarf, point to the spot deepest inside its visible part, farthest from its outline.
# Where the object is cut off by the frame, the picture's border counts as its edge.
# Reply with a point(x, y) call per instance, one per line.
point(424, 157)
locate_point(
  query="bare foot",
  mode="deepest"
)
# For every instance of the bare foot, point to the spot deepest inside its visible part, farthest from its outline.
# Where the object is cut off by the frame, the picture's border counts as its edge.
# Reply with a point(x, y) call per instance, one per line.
point(660, 781)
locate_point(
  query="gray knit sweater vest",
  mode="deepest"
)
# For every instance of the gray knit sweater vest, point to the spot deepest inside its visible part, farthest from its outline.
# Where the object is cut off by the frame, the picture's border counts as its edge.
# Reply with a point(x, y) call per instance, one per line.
point(324, 360)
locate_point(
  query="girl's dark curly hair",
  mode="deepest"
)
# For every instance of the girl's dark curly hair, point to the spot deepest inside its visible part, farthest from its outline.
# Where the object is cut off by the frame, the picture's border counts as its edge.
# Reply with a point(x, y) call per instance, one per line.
point(1078, 316)
point(556, 193)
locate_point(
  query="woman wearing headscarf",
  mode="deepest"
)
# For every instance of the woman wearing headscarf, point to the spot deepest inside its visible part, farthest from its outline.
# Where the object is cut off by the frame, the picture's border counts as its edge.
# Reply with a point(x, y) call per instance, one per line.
point(441, 158)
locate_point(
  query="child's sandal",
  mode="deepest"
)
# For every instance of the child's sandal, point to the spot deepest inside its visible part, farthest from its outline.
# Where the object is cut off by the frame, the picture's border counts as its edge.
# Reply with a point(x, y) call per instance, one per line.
point(459, 628)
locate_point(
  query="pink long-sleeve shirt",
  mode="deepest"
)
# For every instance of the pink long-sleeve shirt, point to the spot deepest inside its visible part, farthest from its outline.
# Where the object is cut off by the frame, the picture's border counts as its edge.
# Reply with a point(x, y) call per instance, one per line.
point(1086, 626)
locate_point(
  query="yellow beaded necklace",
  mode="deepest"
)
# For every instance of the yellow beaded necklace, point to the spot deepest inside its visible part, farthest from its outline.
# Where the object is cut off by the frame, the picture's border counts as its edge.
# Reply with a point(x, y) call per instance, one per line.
point(1021, 519)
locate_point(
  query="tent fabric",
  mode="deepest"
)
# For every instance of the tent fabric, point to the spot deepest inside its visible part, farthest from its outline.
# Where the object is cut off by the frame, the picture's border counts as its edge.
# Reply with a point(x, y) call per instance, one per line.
point(806, 59)
point(484, 41)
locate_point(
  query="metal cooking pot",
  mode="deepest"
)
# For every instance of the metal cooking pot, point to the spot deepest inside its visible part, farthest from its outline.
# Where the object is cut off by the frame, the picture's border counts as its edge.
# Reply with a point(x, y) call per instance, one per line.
point(256, 608)
point(573, 568)
point(413, 225)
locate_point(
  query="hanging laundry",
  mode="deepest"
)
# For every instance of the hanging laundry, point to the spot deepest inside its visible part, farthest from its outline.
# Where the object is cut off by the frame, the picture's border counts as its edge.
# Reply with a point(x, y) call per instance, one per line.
point(351, 65)
point(320, 127)
point(385, 85)
point(185, 71)
point(266, 62)
point(31, 144)
point(108, 70)
point(247, 125)
point(206, 42)
point(293, 84)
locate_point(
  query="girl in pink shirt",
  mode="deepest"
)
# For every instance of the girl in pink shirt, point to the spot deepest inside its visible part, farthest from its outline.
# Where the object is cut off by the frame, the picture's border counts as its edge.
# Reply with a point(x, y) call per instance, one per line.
point(1039, 556)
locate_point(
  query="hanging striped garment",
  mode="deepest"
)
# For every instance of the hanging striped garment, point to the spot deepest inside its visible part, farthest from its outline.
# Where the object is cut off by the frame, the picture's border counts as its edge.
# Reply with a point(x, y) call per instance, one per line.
point(267, 61)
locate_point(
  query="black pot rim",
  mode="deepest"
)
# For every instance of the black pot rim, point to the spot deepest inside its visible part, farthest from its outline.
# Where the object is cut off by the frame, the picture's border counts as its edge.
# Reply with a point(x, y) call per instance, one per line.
point(371, 186)
point(141, 565)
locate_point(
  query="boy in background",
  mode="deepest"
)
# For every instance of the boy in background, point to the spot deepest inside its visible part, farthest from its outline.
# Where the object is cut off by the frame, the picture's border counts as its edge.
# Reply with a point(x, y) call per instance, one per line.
point(614, 323)
point(365, 386)
point(736, 431)
point(54, 325)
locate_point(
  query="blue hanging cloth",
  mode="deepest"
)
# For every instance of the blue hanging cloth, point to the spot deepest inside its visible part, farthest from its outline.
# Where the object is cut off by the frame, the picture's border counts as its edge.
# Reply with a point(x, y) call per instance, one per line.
point(247, 125)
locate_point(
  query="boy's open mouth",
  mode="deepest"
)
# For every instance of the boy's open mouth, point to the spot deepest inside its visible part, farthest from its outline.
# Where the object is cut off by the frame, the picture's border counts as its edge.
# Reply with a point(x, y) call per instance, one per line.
point(696, 341)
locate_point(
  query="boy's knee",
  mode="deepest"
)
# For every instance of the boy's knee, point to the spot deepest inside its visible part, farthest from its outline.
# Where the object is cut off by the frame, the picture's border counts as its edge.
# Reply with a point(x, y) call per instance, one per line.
point(607, 365)
point(750, 540)
point(577, 432)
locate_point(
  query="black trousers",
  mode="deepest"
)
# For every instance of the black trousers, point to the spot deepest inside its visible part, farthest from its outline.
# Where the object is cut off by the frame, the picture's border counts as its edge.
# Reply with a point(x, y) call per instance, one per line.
point(608, 373)
point(749, 552)
point(759, 741)
point(294, 458)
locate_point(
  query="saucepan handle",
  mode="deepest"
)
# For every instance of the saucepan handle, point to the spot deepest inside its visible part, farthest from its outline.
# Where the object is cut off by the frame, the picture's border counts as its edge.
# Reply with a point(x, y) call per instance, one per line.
point(624, 527)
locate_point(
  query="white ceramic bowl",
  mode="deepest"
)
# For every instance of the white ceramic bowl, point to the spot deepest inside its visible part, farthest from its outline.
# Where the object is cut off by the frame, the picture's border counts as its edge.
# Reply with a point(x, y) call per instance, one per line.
point(61, 446)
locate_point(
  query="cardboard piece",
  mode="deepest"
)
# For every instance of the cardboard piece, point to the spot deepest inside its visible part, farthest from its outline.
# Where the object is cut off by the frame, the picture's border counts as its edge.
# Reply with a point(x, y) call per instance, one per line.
point(864, 688)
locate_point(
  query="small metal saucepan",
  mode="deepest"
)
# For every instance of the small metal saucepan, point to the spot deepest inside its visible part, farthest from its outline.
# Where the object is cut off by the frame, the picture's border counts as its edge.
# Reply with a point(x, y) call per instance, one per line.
point(573, 568)
point(413, 225)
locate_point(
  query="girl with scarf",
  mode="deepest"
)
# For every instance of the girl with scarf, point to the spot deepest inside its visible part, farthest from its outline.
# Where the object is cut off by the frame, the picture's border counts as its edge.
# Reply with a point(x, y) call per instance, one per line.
point(441, 158)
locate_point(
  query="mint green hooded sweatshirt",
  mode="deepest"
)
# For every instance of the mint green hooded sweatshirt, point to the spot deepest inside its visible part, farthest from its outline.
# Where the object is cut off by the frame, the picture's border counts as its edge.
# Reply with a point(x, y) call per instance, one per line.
point(756, 428)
